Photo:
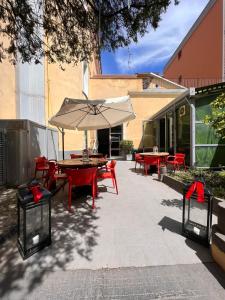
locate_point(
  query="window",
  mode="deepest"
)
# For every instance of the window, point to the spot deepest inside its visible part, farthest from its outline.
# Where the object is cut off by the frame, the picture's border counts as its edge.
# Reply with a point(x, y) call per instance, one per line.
point(179, 54)
point(85, 77)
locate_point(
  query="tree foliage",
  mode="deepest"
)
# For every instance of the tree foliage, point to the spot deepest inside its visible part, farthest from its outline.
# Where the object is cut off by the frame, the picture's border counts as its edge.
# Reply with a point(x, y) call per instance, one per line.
point(217, 118)
point(72, 30)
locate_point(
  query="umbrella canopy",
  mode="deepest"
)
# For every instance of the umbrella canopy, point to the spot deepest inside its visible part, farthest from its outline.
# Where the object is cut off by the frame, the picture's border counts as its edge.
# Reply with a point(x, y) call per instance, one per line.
point(93, 114)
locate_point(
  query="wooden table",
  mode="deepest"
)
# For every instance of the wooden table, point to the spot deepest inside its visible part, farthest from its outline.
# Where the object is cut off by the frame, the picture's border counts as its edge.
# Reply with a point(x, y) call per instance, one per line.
point(160, 154)
point(78, 163)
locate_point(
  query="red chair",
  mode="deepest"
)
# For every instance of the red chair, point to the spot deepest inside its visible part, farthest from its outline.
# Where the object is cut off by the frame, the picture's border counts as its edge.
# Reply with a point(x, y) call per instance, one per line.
point(53, 176)
point(176, 161)
point(41, 165)
point(81, 177)
point(138, 160)
point(151, 161)
point(109, 172)
point(72, 156)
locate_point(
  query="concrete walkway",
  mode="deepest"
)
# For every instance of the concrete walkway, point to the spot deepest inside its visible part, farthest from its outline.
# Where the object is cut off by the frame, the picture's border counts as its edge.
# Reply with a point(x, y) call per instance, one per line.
point(136, 229)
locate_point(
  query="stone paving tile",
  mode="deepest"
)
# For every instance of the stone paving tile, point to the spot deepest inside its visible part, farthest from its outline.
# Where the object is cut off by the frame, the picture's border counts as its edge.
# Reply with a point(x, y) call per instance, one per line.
point(140, 227)
point(195, 281)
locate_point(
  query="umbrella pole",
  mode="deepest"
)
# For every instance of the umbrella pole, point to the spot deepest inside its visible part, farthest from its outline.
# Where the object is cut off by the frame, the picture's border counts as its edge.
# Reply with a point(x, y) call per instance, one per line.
point(63, 150)
point(86, 139)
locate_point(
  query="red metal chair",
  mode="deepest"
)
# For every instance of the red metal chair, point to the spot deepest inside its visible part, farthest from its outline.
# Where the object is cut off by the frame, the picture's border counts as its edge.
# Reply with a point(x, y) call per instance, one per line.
point(81, 177)
point(53, 176)
point(138, 160)
point(151, 161)
point(109, 172)
point(72, 156)
point(41, 165)
point(176, 161)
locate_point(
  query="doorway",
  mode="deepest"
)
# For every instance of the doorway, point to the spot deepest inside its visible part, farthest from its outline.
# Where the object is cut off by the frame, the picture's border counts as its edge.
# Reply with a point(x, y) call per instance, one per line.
point(109, 140)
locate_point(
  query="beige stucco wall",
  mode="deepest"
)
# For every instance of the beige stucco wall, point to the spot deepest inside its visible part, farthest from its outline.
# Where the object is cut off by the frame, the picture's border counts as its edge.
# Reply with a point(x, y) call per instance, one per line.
point(60, 84)
point(113, 87)
point(143, 107)
point(7, 91)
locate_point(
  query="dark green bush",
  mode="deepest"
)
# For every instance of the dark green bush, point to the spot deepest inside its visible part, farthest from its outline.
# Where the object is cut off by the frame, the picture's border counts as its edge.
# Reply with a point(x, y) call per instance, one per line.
point(215, 180)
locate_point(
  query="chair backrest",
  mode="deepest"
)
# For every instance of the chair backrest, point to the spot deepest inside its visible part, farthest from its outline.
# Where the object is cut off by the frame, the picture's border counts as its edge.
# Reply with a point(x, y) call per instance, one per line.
point(75, 156)
point(137, 156)
point(41, 161)
point(81, 177)
point(151, 160)
point(96, 155)
point(111, 164)
point(180, 157)
point(52, 169)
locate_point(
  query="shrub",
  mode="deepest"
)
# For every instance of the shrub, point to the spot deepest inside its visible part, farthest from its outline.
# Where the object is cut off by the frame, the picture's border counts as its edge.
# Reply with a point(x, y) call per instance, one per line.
point(126, 146)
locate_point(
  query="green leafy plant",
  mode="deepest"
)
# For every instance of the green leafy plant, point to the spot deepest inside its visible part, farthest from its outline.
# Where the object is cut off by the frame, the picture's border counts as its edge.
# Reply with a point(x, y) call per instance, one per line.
point(217, 118)
point(73, 30)
point(215, 180)
point(126, 146)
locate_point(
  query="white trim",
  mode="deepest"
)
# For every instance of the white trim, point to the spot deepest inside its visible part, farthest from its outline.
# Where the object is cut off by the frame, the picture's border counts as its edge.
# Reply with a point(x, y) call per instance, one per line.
point(167, 80)
point(192, 134)
point(169, 106)
point(209, 145)
point(156, 93)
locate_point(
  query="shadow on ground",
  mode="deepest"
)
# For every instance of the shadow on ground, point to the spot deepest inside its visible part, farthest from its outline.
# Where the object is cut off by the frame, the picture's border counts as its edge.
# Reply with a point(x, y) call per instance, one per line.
point(172, 203)
point(73, 234)
point(176, 227)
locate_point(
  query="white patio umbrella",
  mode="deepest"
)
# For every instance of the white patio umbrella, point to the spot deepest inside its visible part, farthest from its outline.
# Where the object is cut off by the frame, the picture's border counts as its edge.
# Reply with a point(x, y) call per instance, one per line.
point(93, 114)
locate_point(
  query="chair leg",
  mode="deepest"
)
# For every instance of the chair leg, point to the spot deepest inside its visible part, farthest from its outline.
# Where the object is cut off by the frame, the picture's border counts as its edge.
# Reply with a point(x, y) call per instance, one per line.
point(113, 183)
point(146, 170)
point(135, 165)
point(116, 185)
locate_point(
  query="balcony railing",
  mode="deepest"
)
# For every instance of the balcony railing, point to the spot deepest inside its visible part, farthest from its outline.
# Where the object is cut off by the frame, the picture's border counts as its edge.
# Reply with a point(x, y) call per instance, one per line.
point(196, 82)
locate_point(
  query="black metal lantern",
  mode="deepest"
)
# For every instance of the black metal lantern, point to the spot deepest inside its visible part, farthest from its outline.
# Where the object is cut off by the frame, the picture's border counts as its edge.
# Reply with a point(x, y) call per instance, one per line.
point(197, 212)
point(34, 221)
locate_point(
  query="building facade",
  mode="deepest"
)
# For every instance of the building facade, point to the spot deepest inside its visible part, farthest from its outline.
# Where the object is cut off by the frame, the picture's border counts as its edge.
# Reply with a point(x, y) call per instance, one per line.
point(179, 127)
point(199, 59)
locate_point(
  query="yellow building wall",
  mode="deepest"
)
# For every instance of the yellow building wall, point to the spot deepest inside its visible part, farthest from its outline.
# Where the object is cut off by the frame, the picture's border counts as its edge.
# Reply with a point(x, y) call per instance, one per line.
point(7, 91)
point(143, 108)
point(111, 87)
point(60, 84)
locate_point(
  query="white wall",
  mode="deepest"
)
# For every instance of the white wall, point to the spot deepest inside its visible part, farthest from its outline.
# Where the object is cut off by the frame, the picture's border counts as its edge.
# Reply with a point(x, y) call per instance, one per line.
point(30, 92)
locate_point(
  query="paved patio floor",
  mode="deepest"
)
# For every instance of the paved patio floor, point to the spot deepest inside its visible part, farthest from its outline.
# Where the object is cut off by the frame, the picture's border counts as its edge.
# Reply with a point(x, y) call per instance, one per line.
point(134, 236)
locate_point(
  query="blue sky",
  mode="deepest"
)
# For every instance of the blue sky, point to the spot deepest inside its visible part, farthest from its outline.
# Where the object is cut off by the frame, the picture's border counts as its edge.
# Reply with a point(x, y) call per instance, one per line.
point(152, 51)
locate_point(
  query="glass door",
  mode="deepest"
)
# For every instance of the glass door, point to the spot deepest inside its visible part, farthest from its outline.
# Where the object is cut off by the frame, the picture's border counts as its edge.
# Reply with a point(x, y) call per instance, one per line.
point(116, 135)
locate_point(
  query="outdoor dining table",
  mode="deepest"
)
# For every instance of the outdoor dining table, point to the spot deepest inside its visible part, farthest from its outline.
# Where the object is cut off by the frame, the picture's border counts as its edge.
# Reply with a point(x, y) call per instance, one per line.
point(161, 156)
point(158, 154)
point(79, 163)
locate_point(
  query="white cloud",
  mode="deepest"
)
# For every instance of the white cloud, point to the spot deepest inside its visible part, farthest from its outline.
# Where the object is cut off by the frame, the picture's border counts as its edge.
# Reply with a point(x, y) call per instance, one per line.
point(156, 47)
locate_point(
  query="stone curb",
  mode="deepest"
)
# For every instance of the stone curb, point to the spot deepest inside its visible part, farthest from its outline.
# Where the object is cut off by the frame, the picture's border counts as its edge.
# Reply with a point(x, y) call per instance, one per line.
point(178, 186)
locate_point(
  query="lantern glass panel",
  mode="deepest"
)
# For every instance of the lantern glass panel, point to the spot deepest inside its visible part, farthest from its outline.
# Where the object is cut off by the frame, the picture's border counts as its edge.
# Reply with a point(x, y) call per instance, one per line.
point(37, 224)
point(21, 221)
point(196, 217)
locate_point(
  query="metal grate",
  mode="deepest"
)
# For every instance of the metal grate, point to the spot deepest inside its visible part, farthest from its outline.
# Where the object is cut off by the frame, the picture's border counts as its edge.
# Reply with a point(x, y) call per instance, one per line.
point(2, 158)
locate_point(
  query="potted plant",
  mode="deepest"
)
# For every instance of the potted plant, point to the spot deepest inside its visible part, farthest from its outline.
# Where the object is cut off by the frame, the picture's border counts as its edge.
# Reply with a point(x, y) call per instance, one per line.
point(126, 147)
